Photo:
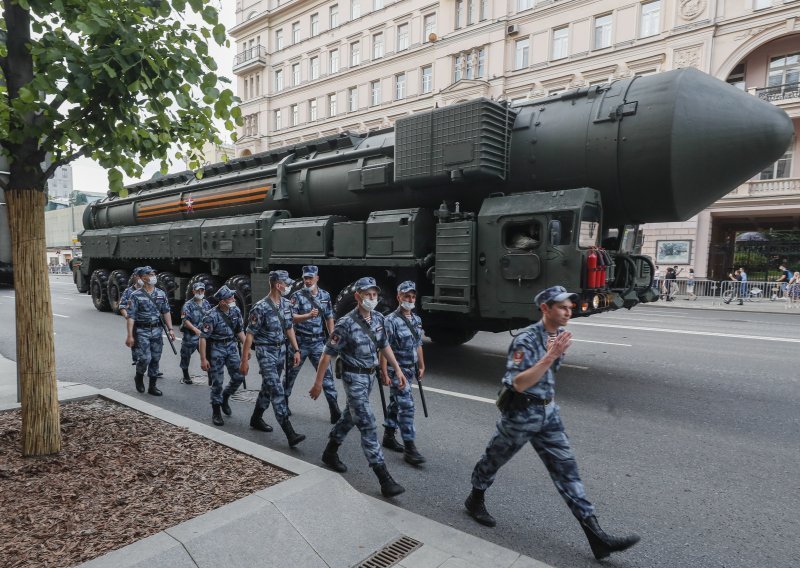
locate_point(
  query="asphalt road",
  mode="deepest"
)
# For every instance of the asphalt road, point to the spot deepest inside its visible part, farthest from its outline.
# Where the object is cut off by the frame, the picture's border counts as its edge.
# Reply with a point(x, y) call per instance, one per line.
point(685, 425)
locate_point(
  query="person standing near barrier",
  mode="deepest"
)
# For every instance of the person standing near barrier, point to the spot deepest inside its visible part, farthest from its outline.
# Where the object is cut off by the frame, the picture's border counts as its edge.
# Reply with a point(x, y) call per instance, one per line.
point(357, 339)
point(530, 415)
point(690, 285)
point(192, 314)
point(312, 315)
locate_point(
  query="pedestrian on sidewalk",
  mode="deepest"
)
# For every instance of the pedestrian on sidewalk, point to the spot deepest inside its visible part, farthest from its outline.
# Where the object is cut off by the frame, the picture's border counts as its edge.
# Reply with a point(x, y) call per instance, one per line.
point(192, 314)
point(690, 285)
point(530, 415)
point(793, 290)
point(357, 339)
point(312, 315)
point(404, 332)
point(269, 328)
point(221, 328)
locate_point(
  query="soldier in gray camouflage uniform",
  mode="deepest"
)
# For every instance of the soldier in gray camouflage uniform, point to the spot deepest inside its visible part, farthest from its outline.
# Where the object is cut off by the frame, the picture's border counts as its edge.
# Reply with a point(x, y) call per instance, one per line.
point(133, 284)
point(529, 415)
point(192, 314)
point(357, 338)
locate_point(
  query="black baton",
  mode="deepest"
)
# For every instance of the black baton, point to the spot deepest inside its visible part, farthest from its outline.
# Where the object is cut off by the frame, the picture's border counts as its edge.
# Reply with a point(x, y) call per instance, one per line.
point(421, 392)
point(164, 328)
point(239, 349)
point(383, 395)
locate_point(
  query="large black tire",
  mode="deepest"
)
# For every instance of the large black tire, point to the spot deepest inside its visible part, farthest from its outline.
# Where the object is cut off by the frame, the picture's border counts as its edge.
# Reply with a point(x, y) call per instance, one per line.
point(212, 284)
point(240, 284)
point(98, 286)
point(449, 336)
point(166, 282)
point(346, 301)
point(83, 287)
point(117, 282)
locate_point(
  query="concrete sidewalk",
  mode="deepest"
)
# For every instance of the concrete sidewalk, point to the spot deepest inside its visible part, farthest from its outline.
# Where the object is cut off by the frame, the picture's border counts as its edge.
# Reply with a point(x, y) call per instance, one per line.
point(285, 525)
point(764, 306)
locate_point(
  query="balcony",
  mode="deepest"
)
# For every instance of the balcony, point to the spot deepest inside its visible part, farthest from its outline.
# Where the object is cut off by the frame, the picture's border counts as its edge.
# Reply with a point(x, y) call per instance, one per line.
point(250, 59)
point(777, 93)
point(766, 188)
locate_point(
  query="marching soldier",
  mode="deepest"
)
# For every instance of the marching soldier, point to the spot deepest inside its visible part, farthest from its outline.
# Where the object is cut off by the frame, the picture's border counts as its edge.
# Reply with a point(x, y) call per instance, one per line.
point(145, 308)
point(134, 283)
point(312, 314)
point(192, 315)
point(269, 326)
point(404, 332)
point(221, 327)
point(529, 415)
point(357, 339)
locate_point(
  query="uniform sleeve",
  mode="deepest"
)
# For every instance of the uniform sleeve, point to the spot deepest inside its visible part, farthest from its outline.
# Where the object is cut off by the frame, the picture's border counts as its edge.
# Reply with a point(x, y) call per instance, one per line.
point(185, 311)
point(288, 323)
point(390, 329)
point(255, 321)
point(327, 308)
point(207, 326)
point(133, 307)
point(294, 303)
point(420, 331)
point(238, 320)
point(337, 339)
point(381, 336)
point(164, 304)
point(520, 355)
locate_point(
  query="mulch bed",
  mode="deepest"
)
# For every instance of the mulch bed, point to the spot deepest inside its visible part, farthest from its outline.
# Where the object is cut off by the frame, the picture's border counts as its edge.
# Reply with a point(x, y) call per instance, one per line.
point(121, 476)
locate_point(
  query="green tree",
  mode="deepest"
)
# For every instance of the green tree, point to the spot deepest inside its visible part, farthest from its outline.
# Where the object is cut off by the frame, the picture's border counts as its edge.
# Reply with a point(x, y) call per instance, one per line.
point(123, 83)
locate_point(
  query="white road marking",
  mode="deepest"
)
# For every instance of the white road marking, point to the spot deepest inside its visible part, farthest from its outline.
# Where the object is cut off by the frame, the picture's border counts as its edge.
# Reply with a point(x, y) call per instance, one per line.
point(563, 364)
point(60, 316)
point(12, 297)
point(456, 394)
point(690, 332)
point(602, 342)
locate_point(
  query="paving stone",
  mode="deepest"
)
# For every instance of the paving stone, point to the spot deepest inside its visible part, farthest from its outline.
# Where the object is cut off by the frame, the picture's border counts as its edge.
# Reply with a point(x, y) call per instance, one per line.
point(157, 551)
point(426, 556)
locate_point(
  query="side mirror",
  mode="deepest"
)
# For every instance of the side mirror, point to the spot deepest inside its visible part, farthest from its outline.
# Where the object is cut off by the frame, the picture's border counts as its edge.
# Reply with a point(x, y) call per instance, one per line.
point(555, 232)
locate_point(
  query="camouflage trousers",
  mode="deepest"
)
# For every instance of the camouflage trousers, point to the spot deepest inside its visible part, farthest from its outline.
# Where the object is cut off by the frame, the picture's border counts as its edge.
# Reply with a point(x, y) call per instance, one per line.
point(189, 345)
point(149, 345)
point(270, 364)
point(400, 412)
point(220, 356)
point(310, 349)
point(542, 427)
point(358, 412)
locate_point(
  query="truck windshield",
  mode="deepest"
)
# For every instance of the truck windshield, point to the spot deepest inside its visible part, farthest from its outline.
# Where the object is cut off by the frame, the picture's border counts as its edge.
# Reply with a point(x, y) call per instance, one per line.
point(590, 226)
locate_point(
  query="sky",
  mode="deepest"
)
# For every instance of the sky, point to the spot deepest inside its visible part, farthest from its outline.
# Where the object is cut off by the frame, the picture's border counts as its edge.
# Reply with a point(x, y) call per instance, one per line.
point(87, 175)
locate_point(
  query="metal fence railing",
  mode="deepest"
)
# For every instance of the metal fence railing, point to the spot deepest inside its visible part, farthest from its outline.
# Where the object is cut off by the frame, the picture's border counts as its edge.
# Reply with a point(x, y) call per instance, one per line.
point(727, 290)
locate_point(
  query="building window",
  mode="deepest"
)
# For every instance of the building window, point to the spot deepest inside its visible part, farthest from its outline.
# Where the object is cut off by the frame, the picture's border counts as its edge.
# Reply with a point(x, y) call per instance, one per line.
point(313, 67)
point(334, 16)
point(333, 61)
point(429, 27)
point(784, 70)
point(459, 13)
point(278, 40)
point(762, 4)
point(484, 10)
point(296, 32)
point(402, 37)
point(521, 53)
point(377, 4)
point(375, 93)
point(602, 31)
point(782, 168)
point(355, 53)
point(736, 78)
point(295, 74)
point(471, 12)
point(314, 25)
point(352, 99)
point(355, 9)
point(332, 104)
point(295, 114)
point(470, 61)
point(524, 5)
point(560, 43)
point(312, 109)
point(377, 46)
point(251, 125)
point(278, 80)
point(482, 62)
point(400, 86)
point(651, 19)
point(278, 124)
point(458, 68)
point(427, 79)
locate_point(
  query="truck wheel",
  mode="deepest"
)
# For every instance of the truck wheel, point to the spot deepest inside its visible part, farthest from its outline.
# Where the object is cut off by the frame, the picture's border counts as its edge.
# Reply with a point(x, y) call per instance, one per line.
point(80, 285)
point(117, 282)
point(240, 284)
point(449, 336)
point(166, 281)
point(98, 285)
point(211, 286)
point(346, 301)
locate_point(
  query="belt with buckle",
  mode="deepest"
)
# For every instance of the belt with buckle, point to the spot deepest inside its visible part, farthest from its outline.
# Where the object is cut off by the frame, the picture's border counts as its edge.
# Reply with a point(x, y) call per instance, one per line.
point(146, 324)
point(360, 370)
point(269, 344)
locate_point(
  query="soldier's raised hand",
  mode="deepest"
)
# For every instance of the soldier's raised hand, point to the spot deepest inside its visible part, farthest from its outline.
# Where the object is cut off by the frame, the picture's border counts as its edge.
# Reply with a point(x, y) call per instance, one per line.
point(559, 345)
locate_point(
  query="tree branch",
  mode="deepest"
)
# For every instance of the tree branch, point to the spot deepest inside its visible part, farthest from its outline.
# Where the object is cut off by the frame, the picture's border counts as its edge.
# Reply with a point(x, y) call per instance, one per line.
point(83, 152)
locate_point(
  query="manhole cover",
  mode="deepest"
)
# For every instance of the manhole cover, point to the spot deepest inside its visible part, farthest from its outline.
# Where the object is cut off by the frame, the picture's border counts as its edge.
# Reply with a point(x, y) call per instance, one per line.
point(392, 553)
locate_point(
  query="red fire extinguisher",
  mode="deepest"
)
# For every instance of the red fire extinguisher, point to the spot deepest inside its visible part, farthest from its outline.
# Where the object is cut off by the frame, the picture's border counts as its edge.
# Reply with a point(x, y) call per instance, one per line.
point(591, 269)
point(600, 281)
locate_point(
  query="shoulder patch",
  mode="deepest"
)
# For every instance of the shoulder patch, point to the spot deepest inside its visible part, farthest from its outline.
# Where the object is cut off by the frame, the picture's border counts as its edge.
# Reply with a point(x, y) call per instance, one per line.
point(254, 318)
point(206, 327)
point(335, 339)
point(519, 355)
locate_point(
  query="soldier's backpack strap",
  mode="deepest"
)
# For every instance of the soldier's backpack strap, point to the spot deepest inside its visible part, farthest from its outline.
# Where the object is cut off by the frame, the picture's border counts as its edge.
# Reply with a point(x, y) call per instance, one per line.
point(313, 301)
point(228, 321)
point(278, 313)
point(408, 325)
point(363, 325)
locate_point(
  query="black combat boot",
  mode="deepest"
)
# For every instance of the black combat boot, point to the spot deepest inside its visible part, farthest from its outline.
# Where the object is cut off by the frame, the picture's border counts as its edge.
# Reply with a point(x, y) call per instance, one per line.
point(153, 389)
point(411, 454)
point(389, 487)
point(390, 442)
point(476, 507)
point(139, 380)
point(257, 422)
point(187, 380)
point(226, 408)
point(603, 544)
point(335, 412)
point(330, 457)
point(216, 417)
point(293, 437)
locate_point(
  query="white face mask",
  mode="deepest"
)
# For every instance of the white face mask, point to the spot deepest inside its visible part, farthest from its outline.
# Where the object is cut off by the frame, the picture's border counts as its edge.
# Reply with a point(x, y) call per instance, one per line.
point(232, 304)
point(310, 288)
point(199, 296)
point(139, 283)
point(369, 304)
point(152, 280)
point(285, 291)
point(407, 305)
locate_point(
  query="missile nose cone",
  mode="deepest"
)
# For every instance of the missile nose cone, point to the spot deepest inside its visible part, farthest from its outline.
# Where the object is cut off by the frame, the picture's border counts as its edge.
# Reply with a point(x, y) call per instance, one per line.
point(704, 138)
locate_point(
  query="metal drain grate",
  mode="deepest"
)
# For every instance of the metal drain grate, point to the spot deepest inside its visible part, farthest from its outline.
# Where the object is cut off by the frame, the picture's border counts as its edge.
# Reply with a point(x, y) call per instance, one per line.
point(392, 553)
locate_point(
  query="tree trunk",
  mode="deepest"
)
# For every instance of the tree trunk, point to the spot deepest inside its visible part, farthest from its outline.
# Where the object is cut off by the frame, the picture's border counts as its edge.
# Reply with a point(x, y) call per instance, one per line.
point(36, 363)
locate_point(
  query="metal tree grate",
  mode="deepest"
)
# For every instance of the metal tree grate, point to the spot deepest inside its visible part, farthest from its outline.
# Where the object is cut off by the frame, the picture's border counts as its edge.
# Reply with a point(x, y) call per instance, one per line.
point(392, 553)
